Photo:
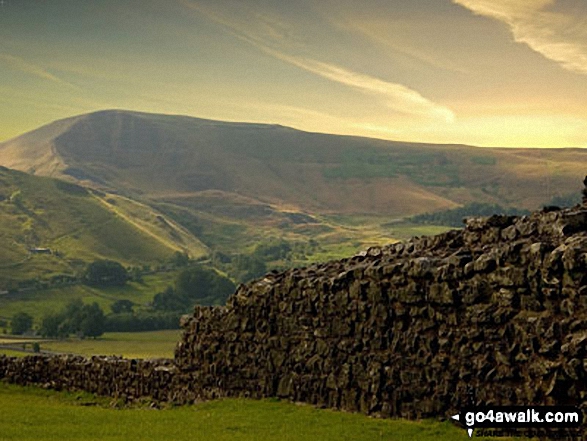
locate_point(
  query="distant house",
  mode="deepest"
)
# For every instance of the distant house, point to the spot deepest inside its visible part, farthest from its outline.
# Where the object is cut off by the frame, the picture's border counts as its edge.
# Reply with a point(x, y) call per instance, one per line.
point(40, 250)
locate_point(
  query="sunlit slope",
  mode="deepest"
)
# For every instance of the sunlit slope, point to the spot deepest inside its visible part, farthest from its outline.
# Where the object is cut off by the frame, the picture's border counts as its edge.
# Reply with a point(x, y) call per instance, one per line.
point(161, 156)
point(77, 226)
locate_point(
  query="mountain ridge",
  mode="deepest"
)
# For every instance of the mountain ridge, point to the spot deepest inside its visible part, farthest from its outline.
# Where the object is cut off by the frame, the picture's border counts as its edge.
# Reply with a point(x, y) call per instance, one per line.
point(144, 155)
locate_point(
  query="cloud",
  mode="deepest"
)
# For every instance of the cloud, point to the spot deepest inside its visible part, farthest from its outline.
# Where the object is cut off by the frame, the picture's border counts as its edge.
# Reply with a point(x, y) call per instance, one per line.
point(267, 33)
point(381, 35)
point(395, 96)
point(22, 65)
point(558, 36)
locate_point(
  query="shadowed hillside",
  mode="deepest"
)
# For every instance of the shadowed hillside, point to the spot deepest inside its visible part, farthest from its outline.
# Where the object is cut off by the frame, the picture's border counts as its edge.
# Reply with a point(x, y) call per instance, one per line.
point(171, 157)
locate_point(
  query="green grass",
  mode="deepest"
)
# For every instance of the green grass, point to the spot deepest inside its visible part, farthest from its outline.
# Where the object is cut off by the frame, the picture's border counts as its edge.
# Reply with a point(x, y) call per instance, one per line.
point(40, 415)
point(154, 344)
point(37, 303)
point(78, 226)
point(12, 353)
point(68, 219)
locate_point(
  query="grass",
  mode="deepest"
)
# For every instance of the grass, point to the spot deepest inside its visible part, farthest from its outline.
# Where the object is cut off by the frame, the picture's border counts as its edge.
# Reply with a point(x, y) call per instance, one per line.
point(12, 353)
point(154, 344)
point(37, 303)
point(40, 415)
point(47, 213)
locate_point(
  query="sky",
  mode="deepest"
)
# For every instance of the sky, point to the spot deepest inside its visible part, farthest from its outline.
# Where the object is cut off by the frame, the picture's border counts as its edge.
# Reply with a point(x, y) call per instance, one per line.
point(507, 73)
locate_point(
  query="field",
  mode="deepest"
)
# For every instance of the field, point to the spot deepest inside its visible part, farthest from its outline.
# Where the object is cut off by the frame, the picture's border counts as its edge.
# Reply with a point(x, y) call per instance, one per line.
point(155, 344)
point(37, 303)
point(40, 415)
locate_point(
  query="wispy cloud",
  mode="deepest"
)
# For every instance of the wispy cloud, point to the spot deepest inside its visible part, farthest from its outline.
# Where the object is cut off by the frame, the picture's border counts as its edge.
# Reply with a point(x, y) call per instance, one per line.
point(24, 66)
point(267, 34)
point(373, 31)
point(395, 96)
point(556, 35)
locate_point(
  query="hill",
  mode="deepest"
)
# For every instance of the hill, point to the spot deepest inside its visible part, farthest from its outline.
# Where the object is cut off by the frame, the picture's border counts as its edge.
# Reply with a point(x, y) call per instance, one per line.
point(156, 184)
point(50, 227)
point(179, 159)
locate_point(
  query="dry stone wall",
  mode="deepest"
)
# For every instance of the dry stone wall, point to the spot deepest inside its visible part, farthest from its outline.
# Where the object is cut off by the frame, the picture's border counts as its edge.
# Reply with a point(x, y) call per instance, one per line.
point(123, 379)
point(495, 313)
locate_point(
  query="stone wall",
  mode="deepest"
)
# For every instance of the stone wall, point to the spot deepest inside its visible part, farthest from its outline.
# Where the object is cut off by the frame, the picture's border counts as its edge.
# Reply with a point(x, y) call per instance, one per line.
point(495, 313)
point(498, 310)
point(127, 380)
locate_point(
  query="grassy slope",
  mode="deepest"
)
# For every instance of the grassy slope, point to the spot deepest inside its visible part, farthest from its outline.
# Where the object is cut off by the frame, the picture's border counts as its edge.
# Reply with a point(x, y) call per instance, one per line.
point(37, 303)
point(35, 414)
point(42, 212)
point(81, 226)
point(150, 155)
point(205, 185)
point(234, 224)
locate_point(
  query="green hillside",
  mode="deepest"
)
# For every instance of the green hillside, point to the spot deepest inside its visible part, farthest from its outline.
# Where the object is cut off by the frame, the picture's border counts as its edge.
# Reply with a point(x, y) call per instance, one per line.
point(50, 227)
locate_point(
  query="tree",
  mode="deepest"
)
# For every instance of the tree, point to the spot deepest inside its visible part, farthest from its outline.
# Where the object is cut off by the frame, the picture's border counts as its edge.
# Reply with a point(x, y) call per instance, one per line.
point(194, 285)
point(122, 306)
point(71, 318)
point(50, 325)
point(198, 283)
point(75, 318)
point(169, 300)
point(105, 273)
point(180, 259)
point(92, 321)
point(21, 323)
point(248, 267)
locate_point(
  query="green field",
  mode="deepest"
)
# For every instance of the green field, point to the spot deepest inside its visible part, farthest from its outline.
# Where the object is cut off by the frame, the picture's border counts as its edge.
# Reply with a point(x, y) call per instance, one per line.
point(154, 344)
point(11, 353)
point(344, 237)
point(70, 221)
point(39, 415)
point(37, 303)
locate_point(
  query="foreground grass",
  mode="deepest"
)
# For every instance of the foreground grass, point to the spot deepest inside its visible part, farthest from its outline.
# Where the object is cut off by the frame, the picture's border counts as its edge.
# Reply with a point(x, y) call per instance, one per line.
point(155, 344)
point(36, 414)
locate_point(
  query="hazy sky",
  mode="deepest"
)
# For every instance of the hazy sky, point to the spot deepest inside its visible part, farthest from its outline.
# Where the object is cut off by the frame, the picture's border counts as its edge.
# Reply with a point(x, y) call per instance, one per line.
point(483, 72)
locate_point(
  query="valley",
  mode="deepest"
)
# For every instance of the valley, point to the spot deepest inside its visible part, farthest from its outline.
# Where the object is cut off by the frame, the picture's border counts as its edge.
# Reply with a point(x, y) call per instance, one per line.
point(241, 198)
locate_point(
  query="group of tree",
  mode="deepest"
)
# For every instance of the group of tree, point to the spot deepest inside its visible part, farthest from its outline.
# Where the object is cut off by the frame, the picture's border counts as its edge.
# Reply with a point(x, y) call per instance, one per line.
point(142, 321)
point(271, 254)
point(77, 318)
point(21, 323)
point(194, 285)
point(105, 273)
point(246, 267)
point(454, 217)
